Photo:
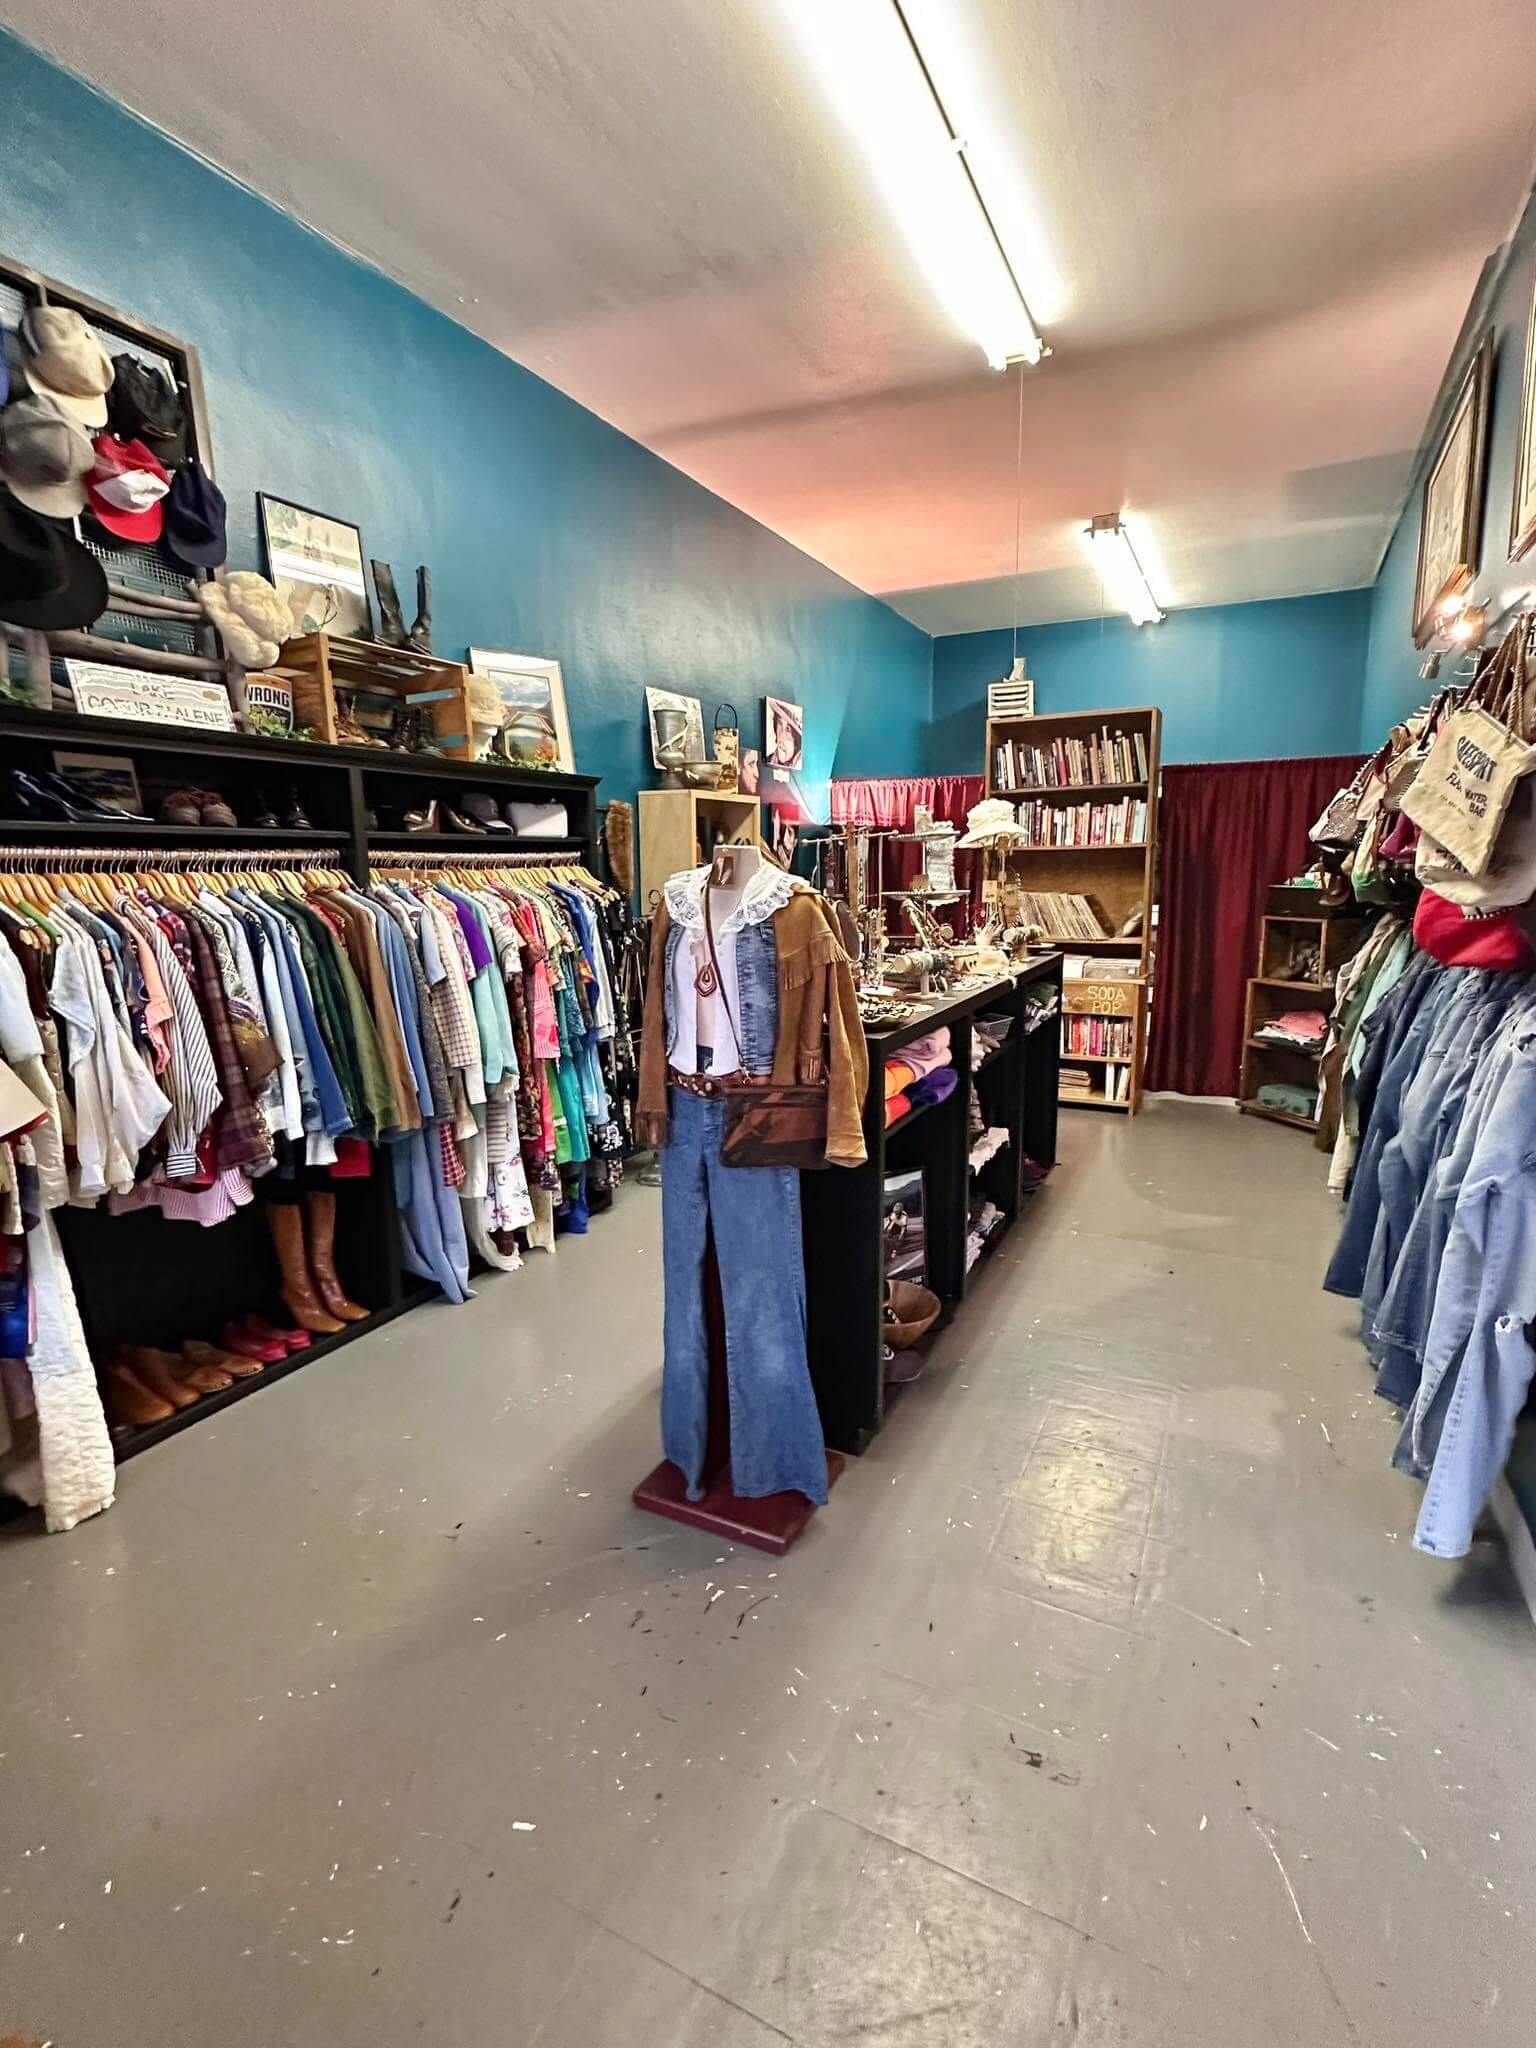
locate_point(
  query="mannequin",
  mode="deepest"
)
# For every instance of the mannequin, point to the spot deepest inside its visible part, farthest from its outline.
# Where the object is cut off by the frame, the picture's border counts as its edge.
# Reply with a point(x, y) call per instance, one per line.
point(748, 984)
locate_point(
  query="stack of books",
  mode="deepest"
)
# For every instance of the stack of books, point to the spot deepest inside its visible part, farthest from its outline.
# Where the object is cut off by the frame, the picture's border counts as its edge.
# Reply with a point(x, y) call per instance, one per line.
point(1075, 1081)
point(1118, 824)
point(1104, 756)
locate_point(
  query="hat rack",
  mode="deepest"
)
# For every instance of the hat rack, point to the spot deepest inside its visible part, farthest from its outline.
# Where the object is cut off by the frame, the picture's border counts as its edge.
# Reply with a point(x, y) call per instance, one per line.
point(153, 621)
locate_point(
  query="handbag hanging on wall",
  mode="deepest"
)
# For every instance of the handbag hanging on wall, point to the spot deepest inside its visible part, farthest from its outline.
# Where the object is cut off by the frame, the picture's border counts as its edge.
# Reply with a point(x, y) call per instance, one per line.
point(727, 744)
point(1465, 785)
point(765, 1123)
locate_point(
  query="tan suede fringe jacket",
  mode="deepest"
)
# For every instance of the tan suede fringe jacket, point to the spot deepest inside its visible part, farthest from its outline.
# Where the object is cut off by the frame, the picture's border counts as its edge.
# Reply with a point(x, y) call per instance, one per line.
point(820, 1033)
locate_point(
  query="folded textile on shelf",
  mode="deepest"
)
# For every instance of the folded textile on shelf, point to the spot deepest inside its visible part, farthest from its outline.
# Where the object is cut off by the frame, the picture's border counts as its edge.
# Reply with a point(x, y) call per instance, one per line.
point(1294, 1101)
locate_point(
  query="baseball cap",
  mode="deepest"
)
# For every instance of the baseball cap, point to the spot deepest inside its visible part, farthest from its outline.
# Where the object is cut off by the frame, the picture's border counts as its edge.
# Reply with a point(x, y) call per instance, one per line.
point(144, 405)
point(44, 457)
point(47, 578)
point(195, 518)
point(126, 487)
point(64, 361)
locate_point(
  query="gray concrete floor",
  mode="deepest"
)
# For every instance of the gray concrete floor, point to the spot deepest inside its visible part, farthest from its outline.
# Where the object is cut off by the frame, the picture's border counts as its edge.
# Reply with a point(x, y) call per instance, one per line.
point(1107, 1703)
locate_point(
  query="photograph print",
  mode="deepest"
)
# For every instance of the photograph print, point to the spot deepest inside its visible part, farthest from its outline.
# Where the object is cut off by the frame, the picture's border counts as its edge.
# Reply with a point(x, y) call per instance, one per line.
point(1451, 523)
point(316, 563)
point(783, 734)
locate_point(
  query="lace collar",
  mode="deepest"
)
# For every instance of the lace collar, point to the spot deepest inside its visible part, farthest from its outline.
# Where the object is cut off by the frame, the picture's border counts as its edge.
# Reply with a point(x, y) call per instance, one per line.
point(767, 891)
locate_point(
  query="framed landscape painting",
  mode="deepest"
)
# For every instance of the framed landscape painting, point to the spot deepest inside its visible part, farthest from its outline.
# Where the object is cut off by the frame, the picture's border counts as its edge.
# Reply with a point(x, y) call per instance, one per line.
point(1451, 523)
point(316, 563)
point(1522, 524)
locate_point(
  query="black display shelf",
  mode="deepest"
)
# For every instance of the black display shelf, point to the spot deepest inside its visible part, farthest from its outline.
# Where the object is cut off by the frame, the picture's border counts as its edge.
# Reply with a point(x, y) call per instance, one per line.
point(215, 837)
point(842, 1208)
point(471, 842)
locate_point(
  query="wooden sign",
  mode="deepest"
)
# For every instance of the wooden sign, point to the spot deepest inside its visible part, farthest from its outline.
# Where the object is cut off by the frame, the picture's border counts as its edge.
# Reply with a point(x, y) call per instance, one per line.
point(103, 690)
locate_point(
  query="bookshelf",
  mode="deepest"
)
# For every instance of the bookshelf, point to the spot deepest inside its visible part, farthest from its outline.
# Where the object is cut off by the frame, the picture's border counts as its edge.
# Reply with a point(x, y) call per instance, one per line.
point(1299, 959)
point(1086, 785)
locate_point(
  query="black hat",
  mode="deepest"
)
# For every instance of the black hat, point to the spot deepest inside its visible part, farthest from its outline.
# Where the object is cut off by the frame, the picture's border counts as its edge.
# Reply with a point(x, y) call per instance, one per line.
point(46, 577)
point(194, 518)
point(144, 405)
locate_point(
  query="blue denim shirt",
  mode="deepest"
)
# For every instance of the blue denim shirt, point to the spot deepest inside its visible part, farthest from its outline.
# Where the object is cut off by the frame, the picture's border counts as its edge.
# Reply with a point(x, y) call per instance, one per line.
point(1478, 1362)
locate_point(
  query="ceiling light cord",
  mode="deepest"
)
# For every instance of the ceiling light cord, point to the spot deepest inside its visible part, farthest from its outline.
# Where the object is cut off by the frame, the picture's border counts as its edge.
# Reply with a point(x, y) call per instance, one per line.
point(1018, 516)
point(970, 176)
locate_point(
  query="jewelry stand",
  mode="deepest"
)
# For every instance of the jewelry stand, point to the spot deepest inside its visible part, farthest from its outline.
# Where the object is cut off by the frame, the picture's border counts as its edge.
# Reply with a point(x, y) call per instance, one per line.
point(772, 1522)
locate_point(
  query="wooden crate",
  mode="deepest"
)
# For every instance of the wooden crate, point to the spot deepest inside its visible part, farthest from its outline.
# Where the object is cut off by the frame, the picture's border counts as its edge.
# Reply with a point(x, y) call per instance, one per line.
point(680, 828)
point(321, 663)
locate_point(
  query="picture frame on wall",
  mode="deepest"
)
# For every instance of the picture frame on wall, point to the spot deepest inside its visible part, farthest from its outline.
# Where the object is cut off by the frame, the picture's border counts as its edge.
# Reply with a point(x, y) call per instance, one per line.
point(783, 734)
point(1522, 518)
point(316, 563)
point(677, 727)
point(1451, 517)
point(536, 731)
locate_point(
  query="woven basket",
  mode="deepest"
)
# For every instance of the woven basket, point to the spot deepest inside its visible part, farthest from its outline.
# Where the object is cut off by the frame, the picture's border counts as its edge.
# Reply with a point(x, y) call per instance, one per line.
point(916, 1310)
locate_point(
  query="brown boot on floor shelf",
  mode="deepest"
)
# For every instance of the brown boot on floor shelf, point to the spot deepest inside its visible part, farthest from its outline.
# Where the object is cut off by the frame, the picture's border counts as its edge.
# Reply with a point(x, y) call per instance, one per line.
point(157, 1371)
point(322, 1260)
point(131, 1403)
point(208, 1379)
point(216, 1358)
point(300, 1297)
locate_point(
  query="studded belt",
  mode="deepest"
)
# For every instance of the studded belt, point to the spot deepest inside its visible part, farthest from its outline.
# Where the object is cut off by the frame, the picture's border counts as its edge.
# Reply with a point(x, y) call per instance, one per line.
point(705, 1084)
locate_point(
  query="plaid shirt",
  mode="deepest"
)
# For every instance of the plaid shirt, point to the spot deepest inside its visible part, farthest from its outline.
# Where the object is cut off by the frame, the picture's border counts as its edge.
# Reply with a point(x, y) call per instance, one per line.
point(240, 1135)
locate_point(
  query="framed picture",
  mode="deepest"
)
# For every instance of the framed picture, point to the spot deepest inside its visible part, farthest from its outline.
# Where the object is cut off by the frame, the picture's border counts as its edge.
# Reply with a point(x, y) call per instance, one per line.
point(1451, 523)
point(783, 734)
point(1522, 522)
point(749, 771)
point(316, 562)
point(677, 728)
point(536, 732)
point(903, 1228)
point(783, 836)
point(110, 778)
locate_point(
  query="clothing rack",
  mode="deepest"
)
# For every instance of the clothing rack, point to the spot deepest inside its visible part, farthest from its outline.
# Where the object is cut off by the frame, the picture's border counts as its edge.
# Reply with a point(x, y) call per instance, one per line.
point(429, 861)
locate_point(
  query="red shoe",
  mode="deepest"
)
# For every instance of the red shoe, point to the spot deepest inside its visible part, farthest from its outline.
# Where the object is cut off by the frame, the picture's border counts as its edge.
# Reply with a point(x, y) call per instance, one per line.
point(291, 1340)
point(249, 1345)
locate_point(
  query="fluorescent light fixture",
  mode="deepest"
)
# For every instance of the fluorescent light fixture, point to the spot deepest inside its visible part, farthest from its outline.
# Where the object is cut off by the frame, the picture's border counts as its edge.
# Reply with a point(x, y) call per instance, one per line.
point(871, 69)
point(1120, 572)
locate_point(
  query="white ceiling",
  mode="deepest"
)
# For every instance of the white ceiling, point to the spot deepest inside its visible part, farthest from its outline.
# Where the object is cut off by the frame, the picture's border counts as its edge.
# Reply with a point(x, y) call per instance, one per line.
point(1250, 234)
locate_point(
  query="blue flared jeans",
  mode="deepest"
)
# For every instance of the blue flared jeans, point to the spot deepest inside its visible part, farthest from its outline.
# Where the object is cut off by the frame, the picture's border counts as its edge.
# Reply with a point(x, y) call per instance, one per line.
point(754, 1212)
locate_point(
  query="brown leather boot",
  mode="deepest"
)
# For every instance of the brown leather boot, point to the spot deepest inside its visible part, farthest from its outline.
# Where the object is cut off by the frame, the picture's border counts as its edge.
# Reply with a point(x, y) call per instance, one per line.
point(157, 1371)
point(322, 1261)
point(286, 1221)
point(130, 1401)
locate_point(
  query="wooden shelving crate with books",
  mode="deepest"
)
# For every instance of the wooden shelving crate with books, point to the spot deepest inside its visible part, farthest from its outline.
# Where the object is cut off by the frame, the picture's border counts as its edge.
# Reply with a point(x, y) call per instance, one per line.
point(1300, 954)
point(1085, 783)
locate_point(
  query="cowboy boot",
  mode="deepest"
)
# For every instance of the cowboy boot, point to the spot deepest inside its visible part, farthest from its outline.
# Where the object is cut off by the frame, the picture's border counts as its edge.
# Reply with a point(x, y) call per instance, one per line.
point(391, 632)
point(322, 1262)
point(421, 632)
point(286, 1221)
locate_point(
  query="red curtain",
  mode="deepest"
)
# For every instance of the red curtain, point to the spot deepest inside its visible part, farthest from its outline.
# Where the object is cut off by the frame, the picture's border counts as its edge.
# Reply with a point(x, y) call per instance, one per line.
point(1227, 831)
point(891, 803)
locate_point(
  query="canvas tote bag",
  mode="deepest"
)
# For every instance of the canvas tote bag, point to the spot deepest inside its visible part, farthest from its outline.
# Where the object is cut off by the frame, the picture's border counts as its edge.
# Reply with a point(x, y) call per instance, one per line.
point(1463, 789)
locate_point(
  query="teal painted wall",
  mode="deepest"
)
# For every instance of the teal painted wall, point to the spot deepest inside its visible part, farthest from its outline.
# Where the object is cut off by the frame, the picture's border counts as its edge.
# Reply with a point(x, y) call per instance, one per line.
point(546, 530)
point(1392, 682)
point(1235, 682)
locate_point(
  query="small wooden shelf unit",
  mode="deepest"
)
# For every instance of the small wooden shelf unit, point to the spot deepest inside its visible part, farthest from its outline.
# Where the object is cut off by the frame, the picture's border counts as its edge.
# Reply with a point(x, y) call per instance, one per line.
point(1276, 988)
point(1118, 880)
point(680, 828)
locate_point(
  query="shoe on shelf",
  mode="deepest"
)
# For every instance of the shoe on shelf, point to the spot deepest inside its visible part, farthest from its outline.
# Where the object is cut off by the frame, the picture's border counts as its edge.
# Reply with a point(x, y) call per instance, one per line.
point(222, 1358)
point(213, 810)
point(157, 1371)
point(132, 1404)
point(264, 818)
point(50, 799)
point(181, 807)
point(291, 1340)
point(84, 807)
point(295, 817)
point(208, 1379)
point(428, 819)
point(320, 1243)
point(246, 1344)
point(457, 821)
point(484, 812)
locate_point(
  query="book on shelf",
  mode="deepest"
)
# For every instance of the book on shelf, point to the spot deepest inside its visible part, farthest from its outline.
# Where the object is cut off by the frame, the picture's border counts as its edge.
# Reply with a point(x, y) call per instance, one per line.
point(1071, 763)
point(1099, 1038)
point(1123, 823)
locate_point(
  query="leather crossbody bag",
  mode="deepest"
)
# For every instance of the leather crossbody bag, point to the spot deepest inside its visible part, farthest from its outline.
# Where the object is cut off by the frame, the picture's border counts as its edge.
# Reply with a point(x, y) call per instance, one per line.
point(767, 1123)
